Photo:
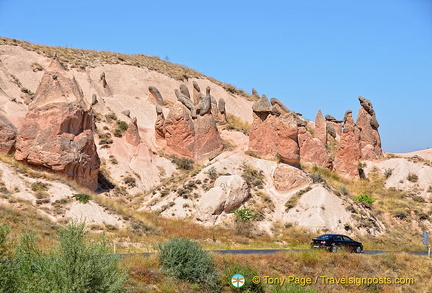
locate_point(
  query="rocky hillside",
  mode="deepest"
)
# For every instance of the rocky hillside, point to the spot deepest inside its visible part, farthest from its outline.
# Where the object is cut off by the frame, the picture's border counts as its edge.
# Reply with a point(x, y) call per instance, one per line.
point(156, 137)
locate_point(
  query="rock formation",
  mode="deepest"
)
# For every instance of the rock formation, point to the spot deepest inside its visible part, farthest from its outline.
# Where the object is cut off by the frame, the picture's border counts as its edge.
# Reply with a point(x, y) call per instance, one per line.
point(222, 112)
point(57, 132)
point(132, 134)
point(320, 128)
point(184, 90)
point(274, 134)
point(156, 95)
point(312, 150)
point(8, 134)
point(348, 153)
point(106, 89)
point(196, 93)
point(159, 124)
point(94, 100)
point(255, 94)
point(370, 141)
point(286, 178)
point(188, 134)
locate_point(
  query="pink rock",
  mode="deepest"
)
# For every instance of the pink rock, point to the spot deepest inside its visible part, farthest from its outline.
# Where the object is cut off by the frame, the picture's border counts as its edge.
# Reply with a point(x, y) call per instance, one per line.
point(312, 150)
point(8, 134)
point(348, 152)
point(286, 178)
point(370, 141)
point(132, 134)
point(58, 130)
point(320, 128)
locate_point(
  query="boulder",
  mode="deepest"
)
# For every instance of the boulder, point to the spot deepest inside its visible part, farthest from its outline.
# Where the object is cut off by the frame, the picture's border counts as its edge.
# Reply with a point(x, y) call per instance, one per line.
point(58, 130)
point(312, 150)
point(228, 193)
point(348, 153)
point(8, 135)
point(370, 141)
point(262, 106)
point(196, 93)
point(281, 108)
point(286, 178)
point(132, 134)
point(184, 90)
point(320, 128)
point(255, 94)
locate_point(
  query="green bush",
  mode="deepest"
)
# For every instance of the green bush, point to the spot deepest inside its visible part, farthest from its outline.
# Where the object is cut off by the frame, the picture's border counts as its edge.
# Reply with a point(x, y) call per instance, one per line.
point(183, 163)
point(184, 259)
point(82, 197)
point(364, 198)
point(412, 177)
point(244, 214)
point(74, 266)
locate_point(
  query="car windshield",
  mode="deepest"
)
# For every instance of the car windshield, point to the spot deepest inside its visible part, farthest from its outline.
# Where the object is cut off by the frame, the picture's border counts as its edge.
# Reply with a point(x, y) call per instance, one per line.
point(324, 237)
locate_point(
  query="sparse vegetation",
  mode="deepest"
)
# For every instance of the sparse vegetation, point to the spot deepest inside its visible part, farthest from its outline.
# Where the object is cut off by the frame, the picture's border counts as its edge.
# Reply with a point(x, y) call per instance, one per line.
point(234, 123)
point(183, 163)
point(364, 199)
point(251, 153)
point(412, 177)
point(82, 197)
point(129, 181)
point(253, 177)
point(388, 173)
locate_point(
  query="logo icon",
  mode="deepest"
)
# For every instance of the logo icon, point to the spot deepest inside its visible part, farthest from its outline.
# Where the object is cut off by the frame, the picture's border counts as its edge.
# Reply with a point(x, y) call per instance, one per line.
point(238, 280)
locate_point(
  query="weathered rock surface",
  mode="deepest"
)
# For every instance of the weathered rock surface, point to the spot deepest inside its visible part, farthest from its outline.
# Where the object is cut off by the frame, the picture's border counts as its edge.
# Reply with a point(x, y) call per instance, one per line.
point(348, 153)
point(228, 193)
point(184, 90)
point(312, 150)
point(57, 132)
point(286, 178)
point(320, 128)
point(132, 134)
point(255, 94)
point(160, 123)
point(274, 135)
point(196, 93)
point(8, 135)
point(156, 95)
point(370, 141)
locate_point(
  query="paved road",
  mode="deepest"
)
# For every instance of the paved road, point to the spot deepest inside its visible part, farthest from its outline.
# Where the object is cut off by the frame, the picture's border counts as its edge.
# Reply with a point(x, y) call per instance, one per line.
point(272, 251)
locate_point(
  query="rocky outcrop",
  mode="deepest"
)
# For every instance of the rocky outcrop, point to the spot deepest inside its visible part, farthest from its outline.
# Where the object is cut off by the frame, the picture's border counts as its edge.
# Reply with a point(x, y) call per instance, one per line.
point(348, 153)
point(255, 94)
point(160, 123)
point(196, 93)
point(156, 96)
point(184, 90)
point(8, 135)
point(105, 87)
point(57, 132)
point(274, 134)
point(222, 111)
point(334, 127)
point(188, 134)
point(228, 193)
point(370, 141)
point(132, 134)
point(286, 178)
point(312, 150)
point(320, 128)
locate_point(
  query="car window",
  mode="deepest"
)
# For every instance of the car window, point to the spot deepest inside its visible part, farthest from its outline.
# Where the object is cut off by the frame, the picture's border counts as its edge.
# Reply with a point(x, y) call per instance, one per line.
point(324, 237)
point(346, 238)
point(337, 238)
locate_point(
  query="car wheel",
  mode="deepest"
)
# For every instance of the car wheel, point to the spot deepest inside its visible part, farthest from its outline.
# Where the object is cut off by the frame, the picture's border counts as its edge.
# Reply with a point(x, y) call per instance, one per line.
point(334, 249)
point(358, 249)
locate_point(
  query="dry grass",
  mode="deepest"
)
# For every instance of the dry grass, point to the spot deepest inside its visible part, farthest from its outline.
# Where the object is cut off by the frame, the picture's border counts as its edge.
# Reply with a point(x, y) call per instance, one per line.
point(237, 124)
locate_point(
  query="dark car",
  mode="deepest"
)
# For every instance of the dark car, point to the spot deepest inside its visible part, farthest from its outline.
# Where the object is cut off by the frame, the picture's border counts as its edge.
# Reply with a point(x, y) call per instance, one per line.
point(335, 242)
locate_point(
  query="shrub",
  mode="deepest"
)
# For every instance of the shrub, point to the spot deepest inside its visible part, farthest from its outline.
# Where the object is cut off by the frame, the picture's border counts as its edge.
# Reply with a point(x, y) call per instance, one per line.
point(74, 266)
point(213, 174)
point(82, 197)
point(184, 259)
point(111, 116)
point(234, 123)
point(364, 199)
point(39, 186)
point(244, 214)
point(316, 177)
point(412, 177)
point(118, 133)
point(130, 181)
point(388, 173)
point(183, 163)
point(122, 125)
point(251, 153)
point(253, 177)
point(418, 198)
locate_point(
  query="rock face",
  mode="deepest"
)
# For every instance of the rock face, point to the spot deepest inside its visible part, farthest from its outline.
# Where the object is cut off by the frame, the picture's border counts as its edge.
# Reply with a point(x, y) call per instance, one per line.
point(184, 90)
point(370, 141)
point(286, 178)
point(132, 134)
point(159, 124)
point(320, 128)
point(312, 150)
point(348, 153)
point(188, 134)
point(196, 93)
point(8, 134)
point(229, 192)
point(273, 134)
point(57, 132)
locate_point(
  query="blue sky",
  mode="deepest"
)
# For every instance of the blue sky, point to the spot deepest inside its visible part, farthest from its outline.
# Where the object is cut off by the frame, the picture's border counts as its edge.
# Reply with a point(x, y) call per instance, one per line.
point(311, 54)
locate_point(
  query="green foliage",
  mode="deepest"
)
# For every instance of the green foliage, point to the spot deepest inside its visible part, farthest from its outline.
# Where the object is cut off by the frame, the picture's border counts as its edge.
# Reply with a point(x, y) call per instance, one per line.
point(244, 215)
point(182, 163)
point(39, 186)
point(74, 266)
point(130, 181)
point(412, 177)
point(291, 288)
point(184, 259)
point(122, 125)
point(248, 272)
point(27, 91)
point(364, 198)
point(235, 123)
point(111, 116)
point(253, 177)
point(82, 197)
point(316, 177)
point(118, 133)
